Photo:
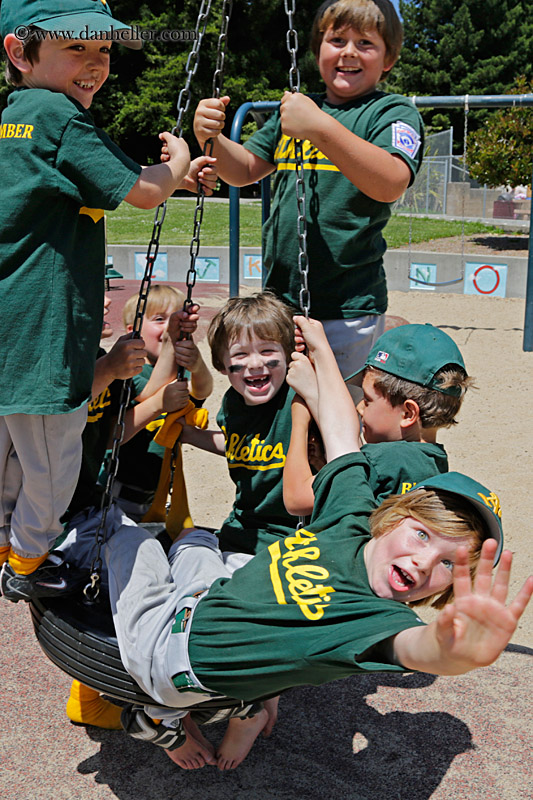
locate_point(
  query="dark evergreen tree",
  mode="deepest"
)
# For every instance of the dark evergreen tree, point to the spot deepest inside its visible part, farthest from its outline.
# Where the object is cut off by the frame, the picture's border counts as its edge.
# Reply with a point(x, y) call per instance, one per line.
point(457, 47)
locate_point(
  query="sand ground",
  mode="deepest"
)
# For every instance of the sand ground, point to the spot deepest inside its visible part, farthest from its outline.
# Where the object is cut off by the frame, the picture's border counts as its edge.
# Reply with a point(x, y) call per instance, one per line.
point(412, 737)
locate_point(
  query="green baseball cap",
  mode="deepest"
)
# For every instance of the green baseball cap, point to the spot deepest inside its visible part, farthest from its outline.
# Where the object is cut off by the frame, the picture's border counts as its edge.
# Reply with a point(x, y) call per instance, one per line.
point(84, 19)
point(416, 353)
point(485, 502)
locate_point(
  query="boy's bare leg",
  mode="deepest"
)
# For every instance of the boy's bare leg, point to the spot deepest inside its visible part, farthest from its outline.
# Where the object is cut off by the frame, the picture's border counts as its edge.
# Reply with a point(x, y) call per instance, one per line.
point(197, 750)
point(271, 707)
point(239, 738)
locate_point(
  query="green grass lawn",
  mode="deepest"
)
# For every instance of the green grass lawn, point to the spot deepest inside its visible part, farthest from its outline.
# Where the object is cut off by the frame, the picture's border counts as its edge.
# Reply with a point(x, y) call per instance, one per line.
point(128, 225)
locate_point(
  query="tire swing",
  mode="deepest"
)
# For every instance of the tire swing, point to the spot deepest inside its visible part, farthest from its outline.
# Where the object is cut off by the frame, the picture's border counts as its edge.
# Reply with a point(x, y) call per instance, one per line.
point(78, 636)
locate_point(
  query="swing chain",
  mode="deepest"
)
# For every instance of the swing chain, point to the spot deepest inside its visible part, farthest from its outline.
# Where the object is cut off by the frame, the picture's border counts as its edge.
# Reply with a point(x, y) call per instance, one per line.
point(184, 97)
point(301, 220)
point(218, 74)
point(92, 589)
point(292, 47)
point(194, 248)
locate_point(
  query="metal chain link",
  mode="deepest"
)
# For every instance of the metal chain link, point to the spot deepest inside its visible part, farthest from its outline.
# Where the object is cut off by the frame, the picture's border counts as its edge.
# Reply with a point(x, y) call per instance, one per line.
point(92, 589)
point(194, 248)
point(304, 296)
point(184, 97)
point(301, 220)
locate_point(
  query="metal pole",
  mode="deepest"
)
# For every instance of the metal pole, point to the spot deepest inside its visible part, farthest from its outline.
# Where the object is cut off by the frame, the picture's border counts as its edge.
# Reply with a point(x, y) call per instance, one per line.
point(234, 194)
point(528, 319)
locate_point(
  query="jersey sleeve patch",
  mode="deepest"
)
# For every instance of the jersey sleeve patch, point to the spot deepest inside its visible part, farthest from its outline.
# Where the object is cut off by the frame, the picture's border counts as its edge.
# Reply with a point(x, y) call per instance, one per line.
point(405, 139)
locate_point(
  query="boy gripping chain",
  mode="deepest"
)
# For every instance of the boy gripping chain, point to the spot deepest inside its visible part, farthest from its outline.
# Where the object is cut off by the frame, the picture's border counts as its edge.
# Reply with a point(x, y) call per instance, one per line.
point(361, 150)
point(141, 459)
point(414, 384)
point(60, 172)
point(124, 360)
point(264, 628)
point(251, 340)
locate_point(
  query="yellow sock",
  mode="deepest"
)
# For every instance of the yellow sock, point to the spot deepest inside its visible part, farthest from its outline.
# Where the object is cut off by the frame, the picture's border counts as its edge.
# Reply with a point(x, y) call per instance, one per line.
point(85, 706)
point(4, 553)
point(25, 566)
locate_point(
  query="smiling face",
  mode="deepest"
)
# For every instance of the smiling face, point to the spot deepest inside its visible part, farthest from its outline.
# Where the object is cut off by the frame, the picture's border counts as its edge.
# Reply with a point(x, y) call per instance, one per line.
point(74, 67)
point(411, 561)
point(153, 329)
point(256, 368)
point(351, 63)
point(379, 418)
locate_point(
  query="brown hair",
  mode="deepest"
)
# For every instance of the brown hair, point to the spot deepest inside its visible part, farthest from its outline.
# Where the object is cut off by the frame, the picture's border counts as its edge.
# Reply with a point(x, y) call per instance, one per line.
point(445, 513)
point(31, 46)
point(261, 314)
point(159, 298)
point(437, 410)
point(363, 15)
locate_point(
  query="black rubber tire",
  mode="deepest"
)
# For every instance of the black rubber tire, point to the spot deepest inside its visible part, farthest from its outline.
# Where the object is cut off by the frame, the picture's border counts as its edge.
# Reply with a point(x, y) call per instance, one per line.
point(80, 640)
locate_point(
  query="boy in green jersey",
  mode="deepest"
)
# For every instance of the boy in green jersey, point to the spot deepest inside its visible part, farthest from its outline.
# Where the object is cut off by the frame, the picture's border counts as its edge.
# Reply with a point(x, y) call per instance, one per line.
point(60, 172)
point(324, 603)
point(142, 459)
point(413, 385)
point(251, 339)
point(361, 149)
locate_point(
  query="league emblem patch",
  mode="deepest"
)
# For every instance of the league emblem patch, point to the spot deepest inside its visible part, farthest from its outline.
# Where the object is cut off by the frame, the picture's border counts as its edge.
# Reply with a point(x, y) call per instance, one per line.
point(382, 357)
point(405, 139)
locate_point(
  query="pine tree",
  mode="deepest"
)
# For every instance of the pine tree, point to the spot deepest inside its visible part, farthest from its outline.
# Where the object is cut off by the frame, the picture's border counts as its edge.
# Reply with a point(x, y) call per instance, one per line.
point(457, 47)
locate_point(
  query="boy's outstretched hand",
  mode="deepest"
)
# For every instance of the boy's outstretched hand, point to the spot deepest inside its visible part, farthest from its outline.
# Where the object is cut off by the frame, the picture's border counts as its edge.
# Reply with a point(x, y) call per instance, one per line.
point(477, 626)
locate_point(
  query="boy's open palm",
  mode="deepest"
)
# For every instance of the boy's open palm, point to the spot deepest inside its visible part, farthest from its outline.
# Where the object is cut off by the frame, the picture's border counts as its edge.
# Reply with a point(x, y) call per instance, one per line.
point(477, 626)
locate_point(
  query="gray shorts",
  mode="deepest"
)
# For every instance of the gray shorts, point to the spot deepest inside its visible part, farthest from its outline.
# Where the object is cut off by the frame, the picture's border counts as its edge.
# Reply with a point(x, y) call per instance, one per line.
point(153, 600)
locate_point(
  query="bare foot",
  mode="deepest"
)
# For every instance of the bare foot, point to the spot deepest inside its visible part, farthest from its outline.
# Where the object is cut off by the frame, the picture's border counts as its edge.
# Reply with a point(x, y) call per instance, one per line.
point(271, 707)
point(196, 752)
point(239, 738)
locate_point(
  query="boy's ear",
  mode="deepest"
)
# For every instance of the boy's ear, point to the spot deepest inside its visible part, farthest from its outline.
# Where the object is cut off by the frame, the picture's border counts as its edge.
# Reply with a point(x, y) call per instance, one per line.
point(15, 52)
point(411, 414)
point(129, 328)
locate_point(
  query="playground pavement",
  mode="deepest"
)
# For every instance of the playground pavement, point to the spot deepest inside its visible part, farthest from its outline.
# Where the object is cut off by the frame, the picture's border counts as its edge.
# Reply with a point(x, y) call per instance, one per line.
point(379, 737)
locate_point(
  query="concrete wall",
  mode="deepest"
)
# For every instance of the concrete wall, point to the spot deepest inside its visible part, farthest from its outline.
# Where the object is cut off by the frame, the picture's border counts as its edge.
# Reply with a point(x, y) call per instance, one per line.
point(491, 275)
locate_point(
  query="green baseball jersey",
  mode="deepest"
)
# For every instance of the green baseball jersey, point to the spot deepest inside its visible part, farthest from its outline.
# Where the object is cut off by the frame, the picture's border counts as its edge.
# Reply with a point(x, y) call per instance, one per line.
point(95, 439)
point(63, 171)
point(141, 457)
point(302, 610)
point(395, 467)
point(344, 226)
point(257, 440)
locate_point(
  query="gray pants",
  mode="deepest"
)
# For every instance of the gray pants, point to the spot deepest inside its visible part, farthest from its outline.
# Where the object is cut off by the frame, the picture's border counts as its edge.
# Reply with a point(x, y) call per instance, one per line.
point(147, 590)
point(40, 458)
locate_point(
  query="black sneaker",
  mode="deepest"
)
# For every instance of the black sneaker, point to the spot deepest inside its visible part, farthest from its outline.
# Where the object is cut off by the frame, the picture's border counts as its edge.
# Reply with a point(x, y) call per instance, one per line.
point(53, 577)
point(139, 725)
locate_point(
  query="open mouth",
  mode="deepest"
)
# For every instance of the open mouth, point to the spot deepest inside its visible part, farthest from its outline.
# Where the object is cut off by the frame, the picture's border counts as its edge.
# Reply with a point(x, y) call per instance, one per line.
point(399, 579)
point(85, 84)
point(348, 70)
point(258, 383)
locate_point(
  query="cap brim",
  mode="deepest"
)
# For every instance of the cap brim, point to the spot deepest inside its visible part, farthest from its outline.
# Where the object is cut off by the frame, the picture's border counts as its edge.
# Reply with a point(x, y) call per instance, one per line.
point(495, 531)
point(87, 26)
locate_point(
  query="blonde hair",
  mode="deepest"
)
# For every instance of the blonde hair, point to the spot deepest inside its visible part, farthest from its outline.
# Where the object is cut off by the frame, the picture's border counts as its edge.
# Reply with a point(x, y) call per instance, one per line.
point(159, 299)
point(445, 513)
point(261, 314)
point(363, 15)
point(437, 410)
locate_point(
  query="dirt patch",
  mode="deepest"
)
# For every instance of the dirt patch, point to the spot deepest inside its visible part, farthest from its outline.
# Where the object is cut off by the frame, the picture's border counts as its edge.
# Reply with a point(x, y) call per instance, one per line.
point(481, 244)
